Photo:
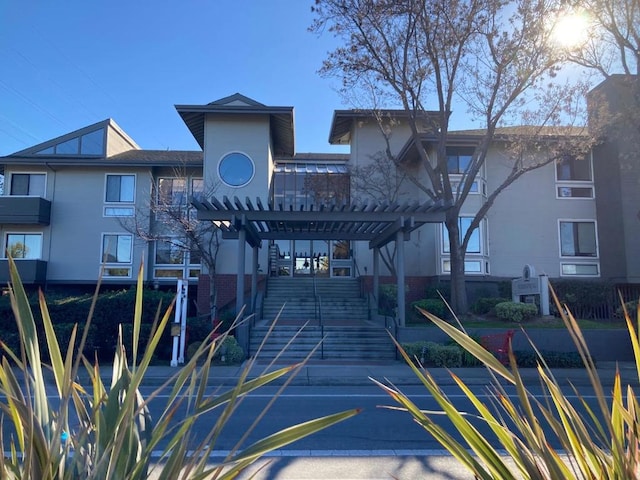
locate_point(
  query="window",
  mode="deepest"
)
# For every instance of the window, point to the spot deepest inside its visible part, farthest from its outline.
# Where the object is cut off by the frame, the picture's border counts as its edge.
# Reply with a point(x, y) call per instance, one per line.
point(172, 252)
point(470, 266)
point(91, 143)
point(172, 191)
point(459, 159)
point(120, 188)
point(197, 187)
point(578, 239)
point(24, 245)
point(118, 211)
point(580, 269)
point(116, 248)
point(32, 184)
point(236, 169)
point(575, 192)
point(464, 223)
point(168, 252)
point(569, 168)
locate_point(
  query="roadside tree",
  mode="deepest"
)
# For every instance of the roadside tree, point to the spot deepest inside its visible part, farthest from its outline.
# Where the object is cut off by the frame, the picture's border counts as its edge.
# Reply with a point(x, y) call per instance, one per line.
point(168, 223)
point(496, 60)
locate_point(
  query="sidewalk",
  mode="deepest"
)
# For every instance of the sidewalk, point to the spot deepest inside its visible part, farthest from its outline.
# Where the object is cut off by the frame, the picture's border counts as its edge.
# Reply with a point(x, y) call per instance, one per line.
point(398, 373)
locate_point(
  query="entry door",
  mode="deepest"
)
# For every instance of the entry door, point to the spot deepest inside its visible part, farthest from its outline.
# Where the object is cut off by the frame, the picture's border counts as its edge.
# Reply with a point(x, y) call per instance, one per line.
point(311, 257)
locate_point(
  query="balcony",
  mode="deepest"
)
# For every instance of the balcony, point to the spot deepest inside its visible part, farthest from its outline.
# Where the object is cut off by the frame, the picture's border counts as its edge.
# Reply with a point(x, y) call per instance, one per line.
point(21, 210)
point(31, 271)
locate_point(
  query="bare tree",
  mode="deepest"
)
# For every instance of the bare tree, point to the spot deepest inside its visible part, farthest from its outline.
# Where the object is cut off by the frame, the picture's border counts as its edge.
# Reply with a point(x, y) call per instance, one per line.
point(427, 56)
point(381, 181)
point(169, 222)
point(613, 43)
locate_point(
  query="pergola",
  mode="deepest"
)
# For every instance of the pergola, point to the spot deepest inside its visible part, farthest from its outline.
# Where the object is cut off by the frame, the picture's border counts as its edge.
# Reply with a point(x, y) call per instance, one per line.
point(375, 223)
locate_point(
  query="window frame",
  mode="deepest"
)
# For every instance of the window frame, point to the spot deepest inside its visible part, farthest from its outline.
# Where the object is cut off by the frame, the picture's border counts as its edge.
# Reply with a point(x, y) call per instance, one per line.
point(458, 149)
point(229, 154)
point(115, 264)
point(572, 183)
point(185, 191)
point(106, 188)
point(578, 264)
point(34, 234)
point(574, 222)
point(186, 268)
point(588, 158)
point(44, 193)
point(444, 236)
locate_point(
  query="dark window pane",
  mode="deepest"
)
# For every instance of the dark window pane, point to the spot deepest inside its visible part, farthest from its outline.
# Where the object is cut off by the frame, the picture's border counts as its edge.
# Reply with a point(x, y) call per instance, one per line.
point(113, 188)
point(19, 184)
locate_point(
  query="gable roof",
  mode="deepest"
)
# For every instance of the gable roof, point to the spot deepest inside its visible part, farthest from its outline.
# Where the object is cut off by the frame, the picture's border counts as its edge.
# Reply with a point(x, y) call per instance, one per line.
point(280, 119)
point(97, 149)
point(342, 123)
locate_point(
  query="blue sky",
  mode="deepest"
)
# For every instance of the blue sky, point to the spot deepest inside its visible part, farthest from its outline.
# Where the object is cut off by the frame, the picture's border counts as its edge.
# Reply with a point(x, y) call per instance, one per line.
point(71, 63)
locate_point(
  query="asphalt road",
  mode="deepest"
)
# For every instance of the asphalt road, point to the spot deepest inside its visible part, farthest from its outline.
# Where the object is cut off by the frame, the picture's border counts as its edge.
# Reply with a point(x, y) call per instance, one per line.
point(377, 443)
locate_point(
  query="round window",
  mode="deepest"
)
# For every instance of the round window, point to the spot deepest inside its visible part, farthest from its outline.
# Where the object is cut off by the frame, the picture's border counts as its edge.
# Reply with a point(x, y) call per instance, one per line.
point(236, 169)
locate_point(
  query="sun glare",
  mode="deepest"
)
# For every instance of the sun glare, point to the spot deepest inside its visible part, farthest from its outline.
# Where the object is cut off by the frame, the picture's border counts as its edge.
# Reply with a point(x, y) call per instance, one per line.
point(571, 30)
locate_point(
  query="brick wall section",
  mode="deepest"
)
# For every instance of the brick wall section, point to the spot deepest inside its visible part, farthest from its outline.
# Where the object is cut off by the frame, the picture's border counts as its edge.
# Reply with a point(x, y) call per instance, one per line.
point(226, 286)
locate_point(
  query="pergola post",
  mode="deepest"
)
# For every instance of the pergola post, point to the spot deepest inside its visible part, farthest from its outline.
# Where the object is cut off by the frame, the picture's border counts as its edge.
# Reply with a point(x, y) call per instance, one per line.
point(254, 279)
point(376, 278)
point(400, 274)
point(242, 331)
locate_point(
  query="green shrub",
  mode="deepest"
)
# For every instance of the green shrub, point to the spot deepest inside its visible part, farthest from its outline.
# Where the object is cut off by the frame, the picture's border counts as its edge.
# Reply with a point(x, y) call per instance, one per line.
point(387, 299)
point(438, 291)
point(82, 428)
point(515, 311)
point(530, 359)
point(434, 354)
point(536, 430)
point(192, 349)
point(484, 305)
point(586, 298)
point(432, 305)
point(468, 359)
point(631, 307)
point(111, 310)
point(449, 356)
point(415, 349)
point(199, 328)
point(230, 352)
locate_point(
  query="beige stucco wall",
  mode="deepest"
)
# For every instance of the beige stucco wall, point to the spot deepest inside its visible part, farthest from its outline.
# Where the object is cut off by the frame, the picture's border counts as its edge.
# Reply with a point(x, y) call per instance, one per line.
point(367, 142)
point(523, 222)
point(248, 134)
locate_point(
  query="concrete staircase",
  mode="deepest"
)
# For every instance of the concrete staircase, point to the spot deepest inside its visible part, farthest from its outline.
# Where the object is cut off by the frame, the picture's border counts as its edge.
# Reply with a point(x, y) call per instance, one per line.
point(347, 334)
point(339, 300)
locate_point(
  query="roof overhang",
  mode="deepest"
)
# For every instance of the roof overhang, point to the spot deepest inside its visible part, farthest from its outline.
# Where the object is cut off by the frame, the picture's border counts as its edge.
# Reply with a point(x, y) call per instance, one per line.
point(375, 223)
point(280, 120)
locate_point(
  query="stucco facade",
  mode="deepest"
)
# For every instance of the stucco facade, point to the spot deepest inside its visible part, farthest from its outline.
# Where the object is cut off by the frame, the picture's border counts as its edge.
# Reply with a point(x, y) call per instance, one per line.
point(94, 190)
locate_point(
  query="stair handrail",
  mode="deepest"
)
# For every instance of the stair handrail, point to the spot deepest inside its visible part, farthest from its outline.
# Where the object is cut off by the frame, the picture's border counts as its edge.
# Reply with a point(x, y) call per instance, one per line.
point(316, 302)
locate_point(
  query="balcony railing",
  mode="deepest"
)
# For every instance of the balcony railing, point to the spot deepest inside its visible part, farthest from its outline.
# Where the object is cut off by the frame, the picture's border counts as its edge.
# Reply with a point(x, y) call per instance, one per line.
point(31, 271)
point(24, 210)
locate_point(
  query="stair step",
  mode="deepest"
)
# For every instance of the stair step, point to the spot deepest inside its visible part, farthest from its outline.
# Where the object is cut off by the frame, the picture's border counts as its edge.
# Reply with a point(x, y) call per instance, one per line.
point(290, 299)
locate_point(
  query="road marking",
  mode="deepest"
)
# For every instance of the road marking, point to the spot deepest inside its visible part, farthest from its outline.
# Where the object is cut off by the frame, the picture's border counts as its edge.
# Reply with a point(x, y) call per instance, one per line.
point(337, 453)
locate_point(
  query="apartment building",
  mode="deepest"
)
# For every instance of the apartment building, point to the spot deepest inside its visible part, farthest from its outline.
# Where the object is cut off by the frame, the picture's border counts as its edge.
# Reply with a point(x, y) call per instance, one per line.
point(69, 204)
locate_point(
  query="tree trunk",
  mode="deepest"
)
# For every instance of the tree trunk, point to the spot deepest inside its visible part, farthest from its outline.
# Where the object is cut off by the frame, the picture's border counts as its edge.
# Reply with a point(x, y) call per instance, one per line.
point(458, 287)
point(213, 299)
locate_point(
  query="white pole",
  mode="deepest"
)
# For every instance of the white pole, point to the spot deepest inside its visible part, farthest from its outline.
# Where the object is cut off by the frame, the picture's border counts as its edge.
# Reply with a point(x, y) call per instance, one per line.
point(177, 322)
point(183, 320)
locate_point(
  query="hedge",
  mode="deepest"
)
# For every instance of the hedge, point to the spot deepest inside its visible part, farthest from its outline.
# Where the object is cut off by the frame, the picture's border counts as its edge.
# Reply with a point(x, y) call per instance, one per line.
point(515, 311)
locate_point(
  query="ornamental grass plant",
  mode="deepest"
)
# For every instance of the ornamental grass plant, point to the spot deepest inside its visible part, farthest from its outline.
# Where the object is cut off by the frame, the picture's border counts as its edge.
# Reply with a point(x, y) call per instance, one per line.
point(57, 426)
point(561, 434)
